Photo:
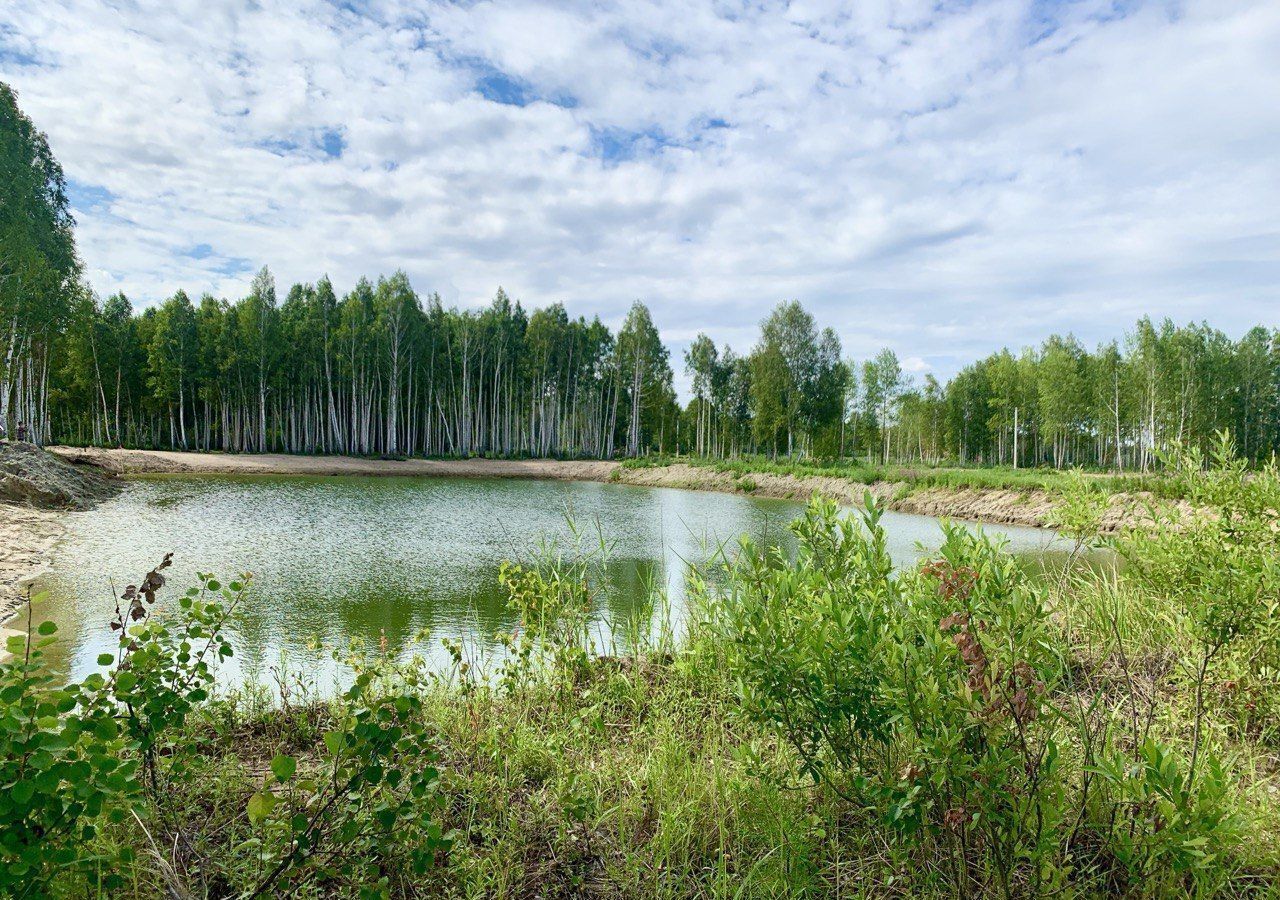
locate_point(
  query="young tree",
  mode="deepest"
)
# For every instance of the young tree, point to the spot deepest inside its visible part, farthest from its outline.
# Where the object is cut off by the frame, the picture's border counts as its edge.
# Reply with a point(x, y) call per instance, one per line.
point(882, 385)
point(643, 369)
point(701, 361)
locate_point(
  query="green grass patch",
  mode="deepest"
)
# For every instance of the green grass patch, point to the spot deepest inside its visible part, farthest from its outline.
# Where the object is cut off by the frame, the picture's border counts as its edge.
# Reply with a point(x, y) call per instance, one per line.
point(924, 476)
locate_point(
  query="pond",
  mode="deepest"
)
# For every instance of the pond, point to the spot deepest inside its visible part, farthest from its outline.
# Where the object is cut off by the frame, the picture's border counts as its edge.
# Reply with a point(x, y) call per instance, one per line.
point(342, 558)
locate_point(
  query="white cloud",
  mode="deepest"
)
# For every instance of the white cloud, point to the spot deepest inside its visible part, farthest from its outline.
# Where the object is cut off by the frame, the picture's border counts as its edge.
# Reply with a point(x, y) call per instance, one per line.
point(942, 178)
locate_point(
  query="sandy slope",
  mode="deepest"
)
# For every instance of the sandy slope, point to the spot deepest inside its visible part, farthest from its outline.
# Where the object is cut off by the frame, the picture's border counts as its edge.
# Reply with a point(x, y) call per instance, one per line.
point(1033, 509)
point(135, 462)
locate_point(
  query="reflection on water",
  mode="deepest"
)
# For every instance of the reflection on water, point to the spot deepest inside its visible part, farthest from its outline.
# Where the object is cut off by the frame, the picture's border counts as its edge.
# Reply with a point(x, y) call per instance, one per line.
point(336, 559)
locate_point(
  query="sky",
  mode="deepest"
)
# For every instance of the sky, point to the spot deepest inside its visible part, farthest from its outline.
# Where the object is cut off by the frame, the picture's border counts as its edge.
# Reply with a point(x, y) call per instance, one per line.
point(942, 178)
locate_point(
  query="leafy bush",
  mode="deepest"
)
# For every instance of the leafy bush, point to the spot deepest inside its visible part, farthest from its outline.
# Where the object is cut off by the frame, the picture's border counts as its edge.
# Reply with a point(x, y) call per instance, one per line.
point(945, 698)
point(63, 771)
point(810, 663)
point(1218, 565)
point(363, 815)
point(71, 757)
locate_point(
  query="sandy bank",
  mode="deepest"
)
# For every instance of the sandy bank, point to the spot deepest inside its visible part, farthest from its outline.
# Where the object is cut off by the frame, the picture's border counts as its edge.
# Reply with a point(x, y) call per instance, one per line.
point(27, 536)
point(37, 490)
point(1032, 509)
point(998, 506)
point(141, 462)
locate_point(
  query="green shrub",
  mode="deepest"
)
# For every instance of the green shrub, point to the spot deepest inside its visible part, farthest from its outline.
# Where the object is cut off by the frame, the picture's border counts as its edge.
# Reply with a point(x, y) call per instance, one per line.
point(63, 772)
point(363, 819)
point(944, 699)
point(76, 758)
point(919, 696)
point(1217, 569)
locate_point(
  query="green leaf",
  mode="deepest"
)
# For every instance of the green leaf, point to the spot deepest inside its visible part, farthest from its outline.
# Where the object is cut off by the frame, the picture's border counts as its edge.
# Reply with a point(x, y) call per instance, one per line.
point(283, 767)
point(260, 806)
point(105, 659)
point(23, 791)
point(46, 628)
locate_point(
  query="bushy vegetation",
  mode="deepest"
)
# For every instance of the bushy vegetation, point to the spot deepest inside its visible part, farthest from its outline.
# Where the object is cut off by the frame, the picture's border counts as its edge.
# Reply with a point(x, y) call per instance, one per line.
point(825, 726)
point(1019, 736)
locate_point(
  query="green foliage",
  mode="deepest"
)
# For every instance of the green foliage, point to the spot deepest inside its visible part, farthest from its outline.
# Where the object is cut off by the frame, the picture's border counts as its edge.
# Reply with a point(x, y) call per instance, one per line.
point(63, 772)
point(555, 599)
point(81, 756)
point(1175, 830)
point(363, 819)
point(920, 696)
point(1216, 567)
point(812, 664)
point(1219, 564)
point(947, 699)
point(39, 269)
point(165, 665)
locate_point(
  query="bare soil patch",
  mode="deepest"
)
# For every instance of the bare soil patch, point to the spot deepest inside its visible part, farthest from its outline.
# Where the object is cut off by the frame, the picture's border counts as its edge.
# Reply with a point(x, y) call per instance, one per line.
point(36, 490)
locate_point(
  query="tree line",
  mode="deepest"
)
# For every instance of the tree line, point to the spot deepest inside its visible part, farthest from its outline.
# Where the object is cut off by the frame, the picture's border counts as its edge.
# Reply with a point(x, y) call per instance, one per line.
point(381, 369)
point(378, 370)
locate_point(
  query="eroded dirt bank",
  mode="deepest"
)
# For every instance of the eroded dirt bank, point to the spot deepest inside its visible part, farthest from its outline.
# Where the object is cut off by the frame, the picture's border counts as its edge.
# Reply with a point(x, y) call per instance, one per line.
point(1005, 507)
point(37, 490)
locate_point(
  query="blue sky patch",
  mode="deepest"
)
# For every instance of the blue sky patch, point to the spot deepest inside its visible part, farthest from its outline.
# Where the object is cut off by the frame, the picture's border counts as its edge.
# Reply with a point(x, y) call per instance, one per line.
point(88, 197)
point(498, 86)
point(615, 145)
point(278, 146)
point(332, 142)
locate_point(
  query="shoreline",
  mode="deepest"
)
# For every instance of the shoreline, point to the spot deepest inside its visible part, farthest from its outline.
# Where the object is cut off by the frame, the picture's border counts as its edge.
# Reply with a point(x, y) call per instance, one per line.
point(996, 506)
point(28, 535)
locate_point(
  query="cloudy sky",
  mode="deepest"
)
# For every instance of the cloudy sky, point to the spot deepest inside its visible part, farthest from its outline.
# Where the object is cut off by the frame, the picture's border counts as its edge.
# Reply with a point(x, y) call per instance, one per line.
point(940, 177)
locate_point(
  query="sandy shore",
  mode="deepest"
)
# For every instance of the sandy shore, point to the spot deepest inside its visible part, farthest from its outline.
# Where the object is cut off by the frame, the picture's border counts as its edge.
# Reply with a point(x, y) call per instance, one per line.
point(1005, 507)
point(141, 462)
point(27, 538)
point(1032, 509)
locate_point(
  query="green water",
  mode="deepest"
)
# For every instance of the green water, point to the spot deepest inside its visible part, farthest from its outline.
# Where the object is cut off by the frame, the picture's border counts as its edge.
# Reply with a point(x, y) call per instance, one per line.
point(354, 557)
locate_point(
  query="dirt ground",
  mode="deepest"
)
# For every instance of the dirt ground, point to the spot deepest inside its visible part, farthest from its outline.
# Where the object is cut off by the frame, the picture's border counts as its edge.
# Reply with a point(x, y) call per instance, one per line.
point(136, 462)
